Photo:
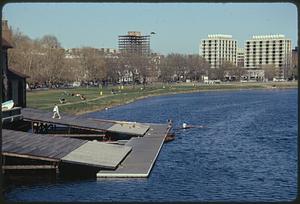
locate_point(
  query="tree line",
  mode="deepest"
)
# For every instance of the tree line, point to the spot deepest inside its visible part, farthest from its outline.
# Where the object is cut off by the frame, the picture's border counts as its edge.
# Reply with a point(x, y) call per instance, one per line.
point(45, 61)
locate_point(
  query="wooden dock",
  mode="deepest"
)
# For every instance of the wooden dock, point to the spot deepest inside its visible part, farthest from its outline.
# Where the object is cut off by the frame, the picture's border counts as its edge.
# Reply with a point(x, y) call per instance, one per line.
point(59, 149)
point(135, 158)
point(72, 121)
point(143, 155)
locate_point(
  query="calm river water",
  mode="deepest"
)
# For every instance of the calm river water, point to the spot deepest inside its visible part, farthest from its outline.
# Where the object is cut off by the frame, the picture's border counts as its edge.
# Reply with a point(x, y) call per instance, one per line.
point(248, 152)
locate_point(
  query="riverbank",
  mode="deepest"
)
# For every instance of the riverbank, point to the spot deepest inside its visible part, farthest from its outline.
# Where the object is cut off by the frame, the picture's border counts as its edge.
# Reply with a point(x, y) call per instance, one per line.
point(98, 99)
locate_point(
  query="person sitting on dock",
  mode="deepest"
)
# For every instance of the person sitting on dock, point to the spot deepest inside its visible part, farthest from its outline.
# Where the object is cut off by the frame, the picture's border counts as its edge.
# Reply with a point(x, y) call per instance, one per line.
point(56, 112)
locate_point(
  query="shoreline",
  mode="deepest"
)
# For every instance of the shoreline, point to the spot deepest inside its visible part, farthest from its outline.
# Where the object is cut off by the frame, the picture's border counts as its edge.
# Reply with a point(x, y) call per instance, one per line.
point(180, 92)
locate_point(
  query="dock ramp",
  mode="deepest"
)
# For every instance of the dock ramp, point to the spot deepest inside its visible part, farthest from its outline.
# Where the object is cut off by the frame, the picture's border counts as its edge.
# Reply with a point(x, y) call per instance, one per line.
point(143, 155)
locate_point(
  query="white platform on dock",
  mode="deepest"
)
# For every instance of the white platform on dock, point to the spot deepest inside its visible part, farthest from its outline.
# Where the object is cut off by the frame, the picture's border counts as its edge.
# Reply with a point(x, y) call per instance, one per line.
point(142, 156)
point(98, 154)
point(131, 128)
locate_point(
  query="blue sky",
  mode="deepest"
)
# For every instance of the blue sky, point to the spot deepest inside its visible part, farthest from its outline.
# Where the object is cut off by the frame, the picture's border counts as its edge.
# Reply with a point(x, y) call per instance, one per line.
point(179, 27)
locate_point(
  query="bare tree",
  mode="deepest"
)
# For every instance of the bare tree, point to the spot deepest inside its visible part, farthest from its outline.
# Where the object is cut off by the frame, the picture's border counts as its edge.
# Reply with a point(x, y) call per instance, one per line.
point(22, 56)
point(231, 71)
point(143, 68)
point(292, 72)
point(113, 68)
point(197, 66)
point(93, 64)
point(49, 41)
point(51, 67)
point(270, 71)
point(166, 69)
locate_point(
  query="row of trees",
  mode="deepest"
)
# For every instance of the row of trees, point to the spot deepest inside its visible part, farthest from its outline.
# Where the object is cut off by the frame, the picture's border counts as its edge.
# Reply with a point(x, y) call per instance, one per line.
point(45, 61)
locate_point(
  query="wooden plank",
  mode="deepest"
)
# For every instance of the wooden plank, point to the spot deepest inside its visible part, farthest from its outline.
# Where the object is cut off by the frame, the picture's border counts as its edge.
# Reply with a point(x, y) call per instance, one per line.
point(15, 167)
point(78, 135)
point(43, 146)
point(29, 157)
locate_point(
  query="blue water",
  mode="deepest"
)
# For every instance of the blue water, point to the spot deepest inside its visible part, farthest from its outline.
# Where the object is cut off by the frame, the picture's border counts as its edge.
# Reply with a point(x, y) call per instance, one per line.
point(248, 152)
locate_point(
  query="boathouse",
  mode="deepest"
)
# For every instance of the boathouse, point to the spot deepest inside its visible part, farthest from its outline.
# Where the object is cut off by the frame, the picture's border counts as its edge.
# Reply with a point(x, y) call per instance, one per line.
point(14, 82)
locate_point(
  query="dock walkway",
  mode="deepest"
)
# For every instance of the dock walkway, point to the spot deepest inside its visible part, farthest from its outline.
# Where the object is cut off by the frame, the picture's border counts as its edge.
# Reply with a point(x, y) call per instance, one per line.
point(35, 115)
point(143, 155)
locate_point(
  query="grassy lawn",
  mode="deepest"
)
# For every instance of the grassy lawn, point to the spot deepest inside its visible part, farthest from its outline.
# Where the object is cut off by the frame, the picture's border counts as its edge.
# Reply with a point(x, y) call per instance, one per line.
point(45, 99)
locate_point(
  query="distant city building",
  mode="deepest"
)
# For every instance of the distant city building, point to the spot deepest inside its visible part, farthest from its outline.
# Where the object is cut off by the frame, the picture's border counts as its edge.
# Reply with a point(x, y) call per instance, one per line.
point(219, 48)
point(108, 50)
point(240, 56)
point(134, 43)
point(73, 53)
point(268, 50)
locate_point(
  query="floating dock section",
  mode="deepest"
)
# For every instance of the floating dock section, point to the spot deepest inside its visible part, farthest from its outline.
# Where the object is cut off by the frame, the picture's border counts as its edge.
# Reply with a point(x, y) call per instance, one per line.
point(143, 155)
point(59, 149)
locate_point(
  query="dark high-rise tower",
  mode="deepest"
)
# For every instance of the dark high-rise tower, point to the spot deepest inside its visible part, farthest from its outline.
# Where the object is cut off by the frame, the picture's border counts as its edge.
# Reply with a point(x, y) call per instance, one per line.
point(134, 43)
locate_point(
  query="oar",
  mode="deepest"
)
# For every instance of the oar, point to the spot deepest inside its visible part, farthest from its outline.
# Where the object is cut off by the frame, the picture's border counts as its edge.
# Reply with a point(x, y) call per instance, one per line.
point(190, 126)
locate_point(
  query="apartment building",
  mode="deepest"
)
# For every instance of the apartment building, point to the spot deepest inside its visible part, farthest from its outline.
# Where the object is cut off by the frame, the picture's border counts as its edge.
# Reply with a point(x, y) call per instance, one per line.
point(271, 50)
point(219, 48)
point(240, 57)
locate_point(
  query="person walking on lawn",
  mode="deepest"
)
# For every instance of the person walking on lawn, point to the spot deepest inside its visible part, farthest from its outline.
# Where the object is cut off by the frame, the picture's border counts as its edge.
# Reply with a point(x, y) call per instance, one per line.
point(56, 112)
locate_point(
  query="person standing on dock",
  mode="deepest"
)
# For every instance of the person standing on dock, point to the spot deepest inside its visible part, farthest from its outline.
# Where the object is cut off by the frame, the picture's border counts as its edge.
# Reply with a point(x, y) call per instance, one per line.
point(56, 112)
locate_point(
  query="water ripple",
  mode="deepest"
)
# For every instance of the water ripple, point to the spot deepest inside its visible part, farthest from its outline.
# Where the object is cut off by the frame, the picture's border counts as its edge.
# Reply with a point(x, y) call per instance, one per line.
point(248, 152)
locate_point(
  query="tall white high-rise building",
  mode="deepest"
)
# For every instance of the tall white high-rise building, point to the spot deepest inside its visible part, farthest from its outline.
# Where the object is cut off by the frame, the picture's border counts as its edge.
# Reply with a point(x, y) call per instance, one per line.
point(273, 50)
point(219, 48)
point(240, 57)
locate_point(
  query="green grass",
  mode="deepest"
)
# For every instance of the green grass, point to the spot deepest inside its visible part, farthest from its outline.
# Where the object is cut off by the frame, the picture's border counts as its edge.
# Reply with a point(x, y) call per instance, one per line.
point(45, 99)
